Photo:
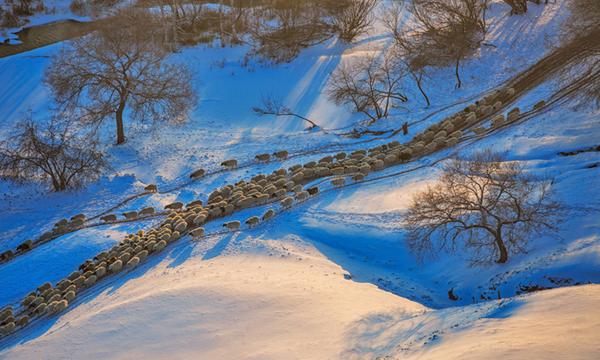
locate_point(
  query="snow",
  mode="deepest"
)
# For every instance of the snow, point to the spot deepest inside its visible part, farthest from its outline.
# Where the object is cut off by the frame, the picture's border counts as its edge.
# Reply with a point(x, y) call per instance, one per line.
point(332, 278)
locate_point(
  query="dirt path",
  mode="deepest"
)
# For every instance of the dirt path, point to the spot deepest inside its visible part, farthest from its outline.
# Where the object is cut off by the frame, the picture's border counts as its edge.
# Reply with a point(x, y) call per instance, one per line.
point(42, 35)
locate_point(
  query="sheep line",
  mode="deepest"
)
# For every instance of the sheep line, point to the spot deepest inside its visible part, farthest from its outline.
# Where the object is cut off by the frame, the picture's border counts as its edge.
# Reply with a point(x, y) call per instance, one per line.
point(150, 189)
point(225, 201)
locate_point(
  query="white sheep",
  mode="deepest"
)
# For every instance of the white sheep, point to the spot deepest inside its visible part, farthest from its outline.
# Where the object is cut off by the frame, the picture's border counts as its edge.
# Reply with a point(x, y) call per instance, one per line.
point(197, 174)
point(90, 280)
point(287, 202)
point(281, 155)
point(232, 225)
point(231, 163)
point(115, 266)
point(197, 232)
point(160, 246)
point(252, 221)
point(177, 205)
point(109, 218)
point(147, 211)
point(78, 217)
point(514, 114)
point(100, 272)
point(263, 157)
point(151, 188)
point(130, 215)
point(338, 182)
point(69, 296)
point(134, 261)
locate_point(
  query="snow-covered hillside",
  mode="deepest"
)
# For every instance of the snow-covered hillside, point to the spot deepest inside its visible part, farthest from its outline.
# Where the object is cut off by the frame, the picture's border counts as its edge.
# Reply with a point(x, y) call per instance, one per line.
point(332, 277)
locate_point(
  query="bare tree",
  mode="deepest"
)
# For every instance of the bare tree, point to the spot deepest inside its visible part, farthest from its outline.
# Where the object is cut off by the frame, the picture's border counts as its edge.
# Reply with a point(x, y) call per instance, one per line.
point(50, 151)
point(443, 33)
point(121, 67)
point(354, 18)
point(486, 203)
point(274, 106)
point(373, 86)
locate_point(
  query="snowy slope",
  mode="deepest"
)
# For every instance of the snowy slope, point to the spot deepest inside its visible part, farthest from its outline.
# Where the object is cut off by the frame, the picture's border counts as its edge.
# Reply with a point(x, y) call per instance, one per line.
point(331, 278)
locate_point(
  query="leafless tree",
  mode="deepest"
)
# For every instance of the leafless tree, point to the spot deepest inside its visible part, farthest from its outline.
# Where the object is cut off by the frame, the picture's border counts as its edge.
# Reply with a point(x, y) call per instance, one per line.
point(274, 106)
point(443, 33)
point(373, 86)
point(121, 69)
point(486, 203)
point(354, 18)
point(50, 151)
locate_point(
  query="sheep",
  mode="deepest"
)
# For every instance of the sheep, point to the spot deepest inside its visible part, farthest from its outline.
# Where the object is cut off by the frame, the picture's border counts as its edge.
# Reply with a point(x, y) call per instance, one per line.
point(326, 160)
point(23, 321)
point(313, 190)
point(268, 214)
point(539, 105)
point(28, 300)
point(338, 182)
point(45, 286)
point(301, 196)
point(147, 211)
point(142, 255)
point(298, 177)
point(76, 223)
point(279, 193)
point(471, 119)
point(133, 262)
point(297, 188)
point(78, 217)
point(281, 155)
point(7, 329)
point(197, 232)
point(263, 157)
point(130, 215)
point(174, 206)
point(151, 188)
point(100, 272)
point(337, 171)
point(358, 177)
point(6, 313)
point(252, 221)
point(181, 226)
point(116, 266)
point(497, 120)
point(159, 246)
point(294, 168)
point(232, 225)
point(390, 159)
point(406, 154)
point(514, 114)
point(378, 164)
point(280, 172)
point(62, 222)
point(199, 219)
point(109, 218)
point(231, 163)
point(40, 309)
point(25, 246)
point(509, 92)
point(497, 106)
point(60, 306)
point(197, 174)
point(79, 281)
point(340, 156)
point(69, 296)
point(90, 281)
point(6, 255)
point(194, 203)
point(74, 275)
point(287, 202)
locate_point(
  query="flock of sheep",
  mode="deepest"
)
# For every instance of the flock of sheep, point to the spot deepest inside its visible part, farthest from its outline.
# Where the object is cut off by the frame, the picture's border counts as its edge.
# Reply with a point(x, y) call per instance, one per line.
point(285, 186)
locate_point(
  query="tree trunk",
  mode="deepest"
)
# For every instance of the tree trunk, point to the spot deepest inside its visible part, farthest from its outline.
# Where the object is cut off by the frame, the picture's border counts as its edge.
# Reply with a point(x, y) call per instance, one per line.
point(119, 118)
point(418, 80)
point(457, 73)
point(503, 252)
